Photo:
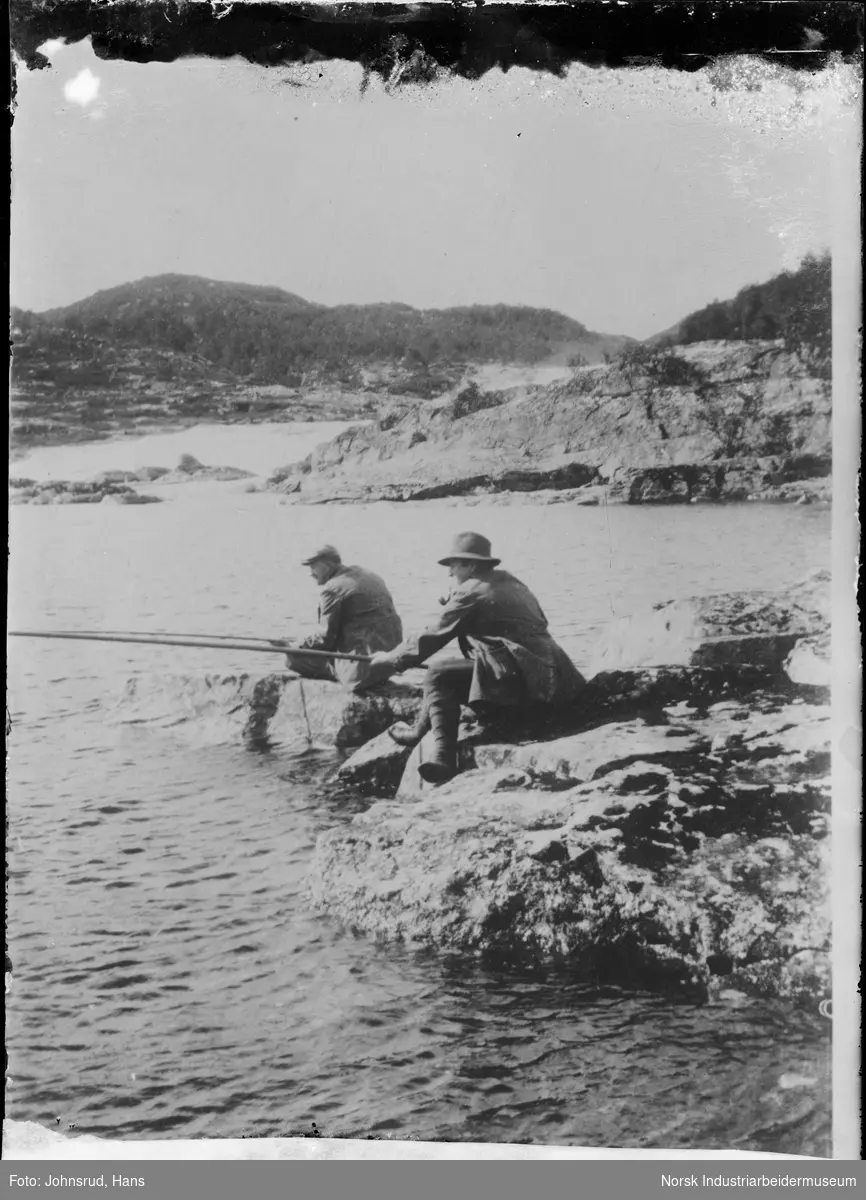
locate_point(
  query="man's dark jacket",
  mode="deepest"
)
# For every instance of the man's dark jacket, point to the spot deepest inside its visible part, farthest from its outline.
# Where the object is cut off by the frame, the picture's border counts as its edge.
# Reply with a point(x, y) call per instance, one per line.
point(501, 627)
point(356, 616)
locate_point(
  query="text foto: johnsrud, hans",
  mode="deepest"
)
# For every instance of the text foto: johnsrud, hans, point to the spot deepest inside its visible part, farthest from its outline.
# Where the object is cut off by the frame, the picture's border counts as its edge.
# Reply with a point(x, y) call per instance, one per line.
point(61, 1181)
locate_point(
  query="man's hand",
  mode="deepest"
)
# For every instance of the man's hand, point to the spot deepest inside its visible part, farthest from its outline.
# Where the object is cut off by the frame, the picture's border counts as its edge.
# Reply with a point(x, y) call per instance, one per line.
point(381, 667)
point(381, 658)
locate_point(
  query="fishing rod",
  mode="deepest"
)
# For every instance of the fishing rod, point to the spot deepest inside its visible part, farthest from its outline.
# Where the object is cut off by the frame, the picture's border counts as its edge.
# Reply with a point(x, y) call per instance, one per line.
point(262, 645)
point(172, 633)
point(276, 646)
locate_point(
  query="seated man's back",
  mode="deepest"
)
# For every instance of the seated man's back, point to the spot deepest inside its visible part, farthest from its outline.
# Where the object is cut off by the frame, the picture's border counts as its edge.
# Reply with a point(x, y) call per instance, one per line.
point(356, 616)
point(368, 620)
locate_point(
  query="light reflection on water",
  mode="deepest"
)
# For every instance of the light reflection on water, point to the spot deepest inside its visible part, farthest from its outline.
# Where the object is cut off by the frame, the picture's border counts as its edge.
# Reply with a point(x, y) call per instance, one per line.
point(167, 980)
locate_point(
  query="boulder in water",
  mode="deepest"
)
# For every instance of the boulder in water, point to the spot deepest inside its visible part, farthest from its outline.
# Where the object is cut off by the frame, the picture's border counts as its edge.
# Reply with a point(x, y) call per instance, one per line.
point(190, 470)
point(130, 497)
point(279, 708)
point(333, 717)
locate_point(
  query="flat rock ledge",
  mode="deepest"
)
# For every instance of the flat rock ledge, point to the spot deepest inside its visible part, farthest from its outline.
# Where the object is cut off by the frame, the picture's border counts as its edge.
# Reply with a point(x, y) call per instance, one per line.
point(672, 830)
point(61, 491)
point(118, 487)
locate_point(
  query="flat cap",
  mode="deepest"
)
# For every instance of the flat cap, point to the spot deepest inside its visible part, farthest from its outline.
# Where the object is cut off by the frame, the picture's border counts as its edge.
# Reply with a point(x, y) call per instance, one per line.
point(326, 553)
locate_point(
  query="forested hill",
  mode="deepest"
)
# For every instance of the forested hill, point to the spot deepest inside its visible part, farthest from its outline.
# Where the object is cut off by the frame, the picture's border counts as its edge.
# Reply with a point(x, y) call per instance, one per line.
point(273, 336)
point(794, 306)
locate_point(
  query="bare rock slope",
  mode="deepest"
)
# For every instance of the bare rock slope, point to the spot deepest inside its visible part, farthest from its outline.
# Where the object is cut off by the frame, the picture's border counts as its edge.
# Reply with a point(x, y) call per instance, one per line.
point(713, 420)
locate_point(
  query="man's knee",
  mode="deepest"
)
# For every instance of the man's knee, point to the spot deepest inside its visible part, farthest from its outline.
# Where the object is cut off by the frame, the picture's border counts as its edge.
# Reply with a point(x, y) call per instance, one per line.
point(448, 676)
point(308, 667)
point(434, 673)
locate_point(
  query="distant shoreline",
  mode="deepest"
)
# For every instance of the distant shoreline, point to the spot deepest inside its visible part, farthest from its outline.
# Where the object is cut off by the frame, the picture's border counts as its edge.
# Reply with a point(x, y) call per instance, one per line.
point(70, 438)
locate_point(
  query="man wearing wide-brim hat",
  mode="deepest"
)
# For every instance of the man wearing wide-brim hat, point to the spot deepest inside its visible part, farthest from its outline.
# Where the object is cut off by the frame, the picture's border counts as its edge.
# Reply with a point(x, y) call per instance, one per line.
point(509, 660)
point(356, 616)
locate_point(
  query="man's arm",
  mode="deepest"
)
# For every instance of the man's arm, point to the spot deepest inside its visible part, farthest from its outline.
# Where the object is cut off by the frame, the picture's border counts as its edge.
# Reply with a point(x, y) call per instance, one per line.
point(452, 621)
point(330, 622)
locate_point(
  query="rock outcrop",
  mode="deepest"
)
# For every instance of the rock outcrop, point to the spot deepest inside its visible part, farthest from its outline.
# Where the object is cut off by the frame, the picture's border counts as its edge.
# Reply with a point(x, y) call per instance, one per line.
point(118, 486)
point(141, 475)
point(670, 828)
point(757, 628)
point(59, 491)
point(709, 421)
point(190, 470)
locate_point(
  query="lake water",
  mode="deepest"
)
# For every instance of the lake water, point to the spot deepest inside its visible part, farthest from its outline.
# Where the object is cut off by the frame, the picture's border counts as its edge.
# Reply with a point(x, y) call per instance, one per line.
point(256, 448)
point(167, 980)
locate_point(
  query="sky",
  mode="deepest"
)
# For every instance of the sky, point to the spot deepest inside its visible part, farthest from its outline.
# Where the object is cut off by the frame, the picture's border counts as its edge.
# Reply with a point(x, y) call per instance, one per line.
point(623, 198)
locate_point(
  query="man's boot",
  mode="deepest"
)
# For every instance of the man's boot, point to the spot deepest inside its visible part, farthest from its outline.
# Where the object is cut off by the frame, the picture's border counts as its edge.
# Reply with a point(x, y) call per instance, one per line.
point(410, 735)
point(444, 713)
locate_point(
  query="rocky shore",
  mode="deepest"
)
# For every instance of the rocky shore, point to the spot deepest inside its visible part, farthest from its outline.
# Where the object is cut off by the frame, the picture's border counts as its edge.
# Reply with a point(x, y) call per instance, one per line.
point(119, 487)
point(671, 828)
point(61, 491)
point(711, 421)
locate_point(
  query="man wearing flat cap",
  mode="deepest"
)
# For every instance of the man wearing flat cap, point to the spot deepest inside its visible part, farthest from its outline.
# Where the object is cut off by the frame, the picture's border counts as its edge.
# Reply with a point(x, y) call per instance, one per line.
point(356, 616)
point(510, 659)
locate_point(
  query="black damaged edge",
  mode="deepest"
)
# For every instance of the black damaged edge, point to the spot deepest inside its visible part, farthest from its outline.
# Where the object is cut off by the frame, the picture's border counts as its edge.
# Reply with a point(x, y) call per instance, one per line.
point(414, 44)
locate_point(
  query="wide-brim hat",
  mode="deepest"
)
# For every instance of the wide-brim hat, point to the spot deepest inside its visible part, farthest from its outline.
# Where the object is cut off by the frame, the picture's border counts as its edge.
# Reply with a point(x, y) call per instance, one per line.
point(325, 553)
point(471, 546)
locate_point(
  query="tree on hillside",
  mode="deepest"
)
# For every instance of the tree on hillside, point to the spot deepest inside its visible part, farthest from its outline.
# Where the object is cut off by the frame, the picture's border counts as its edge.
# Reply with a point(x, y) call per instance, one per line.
point(266, 331)
point(794, 307)
point(808, 329)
